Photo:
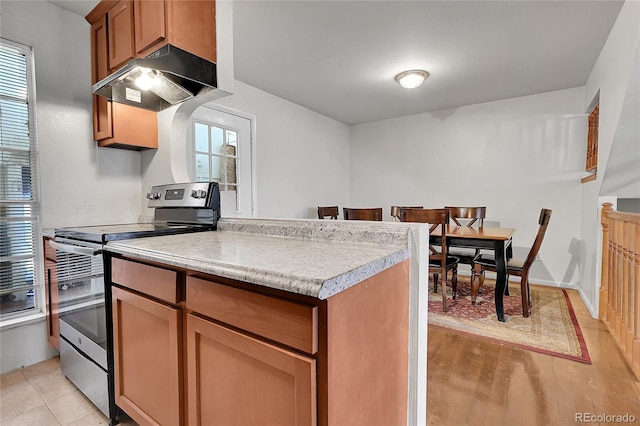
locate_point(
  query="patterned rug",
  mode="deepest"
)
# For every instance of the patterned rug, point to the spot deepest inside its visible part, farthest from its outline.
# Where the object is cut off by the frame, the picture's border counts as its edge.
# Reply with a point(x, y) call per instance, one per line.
point(552, 327)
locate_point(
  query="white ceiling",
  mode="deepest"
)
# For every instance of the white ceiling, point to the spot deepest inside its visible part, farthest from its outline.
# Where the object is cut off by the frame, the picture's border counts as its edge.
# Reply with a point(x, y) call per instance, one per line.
point(339, 57)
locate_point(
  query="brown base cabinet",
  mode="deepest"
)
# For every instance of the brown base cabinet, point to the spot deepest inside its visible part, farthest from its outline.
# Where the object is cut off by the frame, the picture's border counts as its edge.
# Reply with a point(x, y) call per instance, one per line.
point(52, 299)
point(198, 349)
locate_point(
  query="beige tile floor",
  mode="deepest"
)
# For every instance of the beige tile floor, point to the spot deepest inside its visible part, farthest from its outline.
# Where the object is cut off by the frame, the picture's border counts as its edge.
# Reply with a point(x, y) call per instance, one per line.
point(41, 395)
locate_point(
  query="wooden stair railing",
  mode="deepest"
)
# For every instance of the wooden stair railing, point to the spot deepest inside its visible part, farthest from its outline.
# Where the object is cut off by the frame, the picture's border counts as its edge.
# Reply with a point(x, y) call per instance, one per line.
point(619, 306)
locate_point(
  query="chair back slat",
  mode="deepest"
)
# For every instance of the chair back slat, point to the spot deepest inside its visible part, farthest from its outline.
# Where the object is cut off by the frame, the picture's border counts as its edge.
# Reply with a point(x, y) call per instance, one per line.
point(439, 261)
point(435, 217)
point(470, 214)
point(397, 212)
point(329, 211)
point(482, 264)
point(543, 221)
point(362, 214)
point(467, 216)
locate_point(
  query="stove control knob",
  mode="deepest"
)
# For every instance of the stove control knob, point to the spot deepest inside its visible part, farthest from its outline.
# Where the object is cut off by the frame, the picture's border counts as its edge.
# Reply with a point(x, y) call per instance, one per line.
point(153, 195)
point(199, 193)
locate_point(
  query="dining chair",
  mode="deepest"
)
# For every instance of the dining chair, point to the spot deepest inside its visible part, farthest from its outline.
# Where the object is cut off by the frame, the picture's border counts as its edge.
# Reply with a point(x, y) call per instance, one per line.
point(440, 262)
point(466, 216)
point(397, 212)
point(331, 212)
point(362, 214)
point(517, 267)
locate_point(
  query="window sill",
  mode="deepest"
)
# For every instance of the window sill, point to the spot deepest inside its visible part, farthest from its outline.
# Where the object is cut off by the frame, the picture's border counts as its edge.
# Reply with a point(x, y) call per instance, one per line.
point(22, 320)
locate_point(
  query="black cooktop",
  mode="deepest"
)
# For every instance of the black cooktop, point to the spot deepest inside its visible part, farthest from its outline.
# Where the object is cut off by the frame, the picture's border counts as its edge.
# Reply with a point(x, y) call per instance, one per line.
point(127, 231)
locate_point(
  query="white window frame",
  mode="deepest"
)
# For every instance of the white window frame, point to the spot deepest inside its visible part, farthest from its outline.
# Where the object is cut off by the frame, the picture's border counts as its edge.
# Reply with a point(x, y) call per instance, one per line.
point(245, 145)
point(36, 214)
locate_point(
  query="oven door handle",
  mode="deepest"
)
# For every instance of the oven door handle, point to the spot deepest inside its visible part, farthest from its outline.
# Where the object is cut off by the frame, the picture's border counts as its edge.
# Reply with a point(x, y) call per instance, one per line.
point(68, 248)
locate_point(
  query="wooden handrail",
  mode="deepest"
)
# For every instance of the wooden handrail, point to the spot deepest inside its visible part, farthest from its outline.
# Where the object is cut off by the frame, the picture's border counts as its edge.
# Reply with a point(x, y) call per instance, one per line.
point(619, 307)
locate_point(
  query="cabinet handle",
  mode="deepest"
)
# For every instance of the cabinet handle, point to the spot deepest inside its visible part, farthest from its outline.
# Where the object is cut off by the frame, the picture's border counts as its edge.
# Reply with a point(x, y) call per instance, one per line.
point(83, 251)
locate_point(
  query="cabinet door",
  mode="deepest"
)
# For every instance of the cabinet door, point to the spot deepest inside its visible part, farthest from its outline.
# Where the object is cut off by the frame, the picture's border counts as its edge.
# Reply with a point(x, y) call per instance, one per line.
point(133, 128)
point(235, 379)
point(150, 23)
point(147, 359)
point(102, 123)
point(52, 299)
point(120, 21)
point(102, 118)
point(53, 304)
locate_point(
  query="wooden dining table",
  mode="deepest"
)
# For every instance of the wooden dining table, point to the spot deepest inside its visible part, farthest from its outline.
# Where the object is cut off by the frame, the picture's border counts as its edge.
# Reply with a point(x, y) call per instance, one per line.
point(496, 239)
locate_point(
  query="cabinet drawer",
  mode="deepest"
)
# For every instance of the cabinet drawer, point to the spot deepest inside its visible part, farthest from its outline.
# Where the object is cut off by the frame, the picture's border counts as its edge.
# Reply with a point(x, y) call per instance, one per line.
point(155, 282)
point(292, 324)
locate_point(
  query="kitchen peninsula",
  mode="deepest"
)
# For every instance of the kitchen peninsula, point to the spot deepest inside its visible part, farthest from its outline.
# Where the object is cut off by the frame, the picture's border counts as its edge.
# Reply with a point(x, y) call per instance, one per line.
point(269, 321)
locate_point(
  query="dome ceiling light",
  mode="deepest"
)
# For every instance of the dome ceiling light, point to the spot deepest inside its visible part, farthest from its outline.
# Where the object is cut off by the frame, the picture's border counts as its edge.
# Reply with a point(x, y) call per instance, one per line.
point(411, 79)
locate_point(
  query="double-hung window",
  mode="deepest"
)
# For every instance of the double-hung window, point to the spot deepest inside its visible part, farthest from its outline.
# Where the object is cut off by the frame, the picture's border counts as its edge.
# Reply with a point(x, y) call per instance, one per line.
point(20, 247)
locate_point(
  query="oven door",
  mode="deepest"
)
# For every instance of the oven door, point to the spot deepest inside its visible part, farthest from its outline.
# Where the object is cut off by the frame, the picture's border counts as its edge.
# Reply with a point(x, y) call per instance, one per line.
point(83, 320)
point(82, 299)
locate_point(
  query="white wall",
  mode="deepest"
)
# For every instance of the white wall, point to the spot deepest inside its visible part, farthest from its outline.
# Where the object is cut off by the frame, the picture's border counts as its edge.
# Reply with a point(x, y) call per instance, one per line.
point(514, 156)
point(24, 345)
point(302, 156)
point(609, 77)
point(622, 175)
point(79, 183)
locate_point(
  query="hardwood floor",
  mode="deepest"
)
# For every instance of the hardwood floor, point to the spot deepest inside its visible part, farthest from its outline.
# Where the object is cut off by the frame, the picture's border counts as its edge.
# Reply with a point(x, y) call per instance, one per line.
point(477, 382)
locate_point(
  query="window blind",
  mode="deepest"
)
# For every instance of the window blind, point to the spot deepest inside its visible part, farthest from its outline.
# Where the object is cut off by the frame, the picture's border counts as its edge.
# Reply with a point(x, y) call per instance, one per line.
point(19, 207)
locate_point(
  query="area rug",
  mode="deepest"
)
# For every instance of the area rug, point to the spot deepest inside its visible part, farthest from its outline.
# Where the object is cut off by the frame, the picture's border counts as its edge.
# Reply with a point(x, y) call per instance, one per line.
point(552, 327)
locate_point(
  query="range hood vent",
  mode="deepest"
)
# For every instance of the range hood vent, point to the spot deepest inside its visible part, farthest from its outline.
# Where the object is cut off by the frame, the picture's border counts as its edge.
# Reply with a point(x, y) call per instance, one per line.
point(173, 76)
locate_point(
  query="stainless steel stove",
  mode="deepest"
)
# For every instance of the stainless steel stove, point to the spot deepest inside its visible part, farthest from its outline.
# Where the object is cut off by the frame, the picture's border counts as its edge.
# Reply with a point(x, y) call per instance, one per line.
point(85, 340)
point(178, 208)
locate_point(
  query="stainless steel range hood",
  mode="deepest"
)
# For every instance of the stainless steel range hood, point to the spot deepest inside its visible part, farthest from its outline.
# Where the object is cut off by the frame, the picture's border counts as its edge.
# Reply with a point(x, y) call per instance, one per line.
point(172, 75)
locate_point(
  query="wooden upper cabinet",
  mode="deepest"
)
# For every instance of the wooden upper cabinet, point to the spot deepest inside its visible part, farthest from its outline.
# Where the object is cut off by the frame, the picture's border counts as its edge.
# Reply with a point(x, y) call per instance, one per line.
point(137, 28)
point(133, 128)
point(192, 26)
point(99, 50)
point(125, 29)
point(120, 22)
point(187, 24)
point(102, 118)
point(150, 24)
point(102, 123)
point(117, 125)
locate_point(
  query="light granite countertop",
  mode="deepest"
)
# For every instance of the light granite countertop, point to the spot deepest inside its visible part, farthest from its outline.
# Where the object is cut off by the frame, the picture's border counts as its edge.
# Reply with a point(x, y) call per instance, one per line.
point(317, 258)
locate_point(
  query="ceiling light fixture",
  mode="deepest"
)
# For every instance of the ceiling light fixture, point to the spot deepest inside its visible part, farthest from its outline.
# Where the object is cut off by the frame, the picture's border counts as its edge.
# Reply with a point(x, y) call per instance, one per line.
point(411, 79)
